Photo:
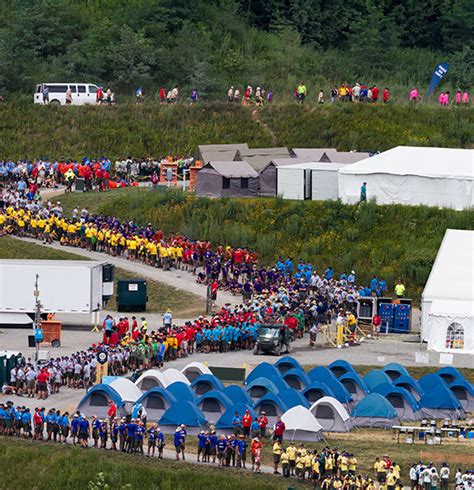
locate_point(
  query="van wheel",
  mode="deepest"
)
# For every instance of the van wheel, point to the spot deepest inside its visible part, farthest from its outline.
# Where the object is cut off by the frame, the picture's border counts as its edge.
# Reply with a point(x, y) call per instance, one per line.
point(56, 343)
point(55, 102)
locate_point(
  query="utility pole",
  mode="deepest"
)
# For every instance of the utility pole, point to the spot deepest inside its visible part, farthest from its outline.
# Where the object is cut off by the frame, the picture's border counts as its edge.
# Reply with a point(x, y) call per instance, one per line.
point(37, 321)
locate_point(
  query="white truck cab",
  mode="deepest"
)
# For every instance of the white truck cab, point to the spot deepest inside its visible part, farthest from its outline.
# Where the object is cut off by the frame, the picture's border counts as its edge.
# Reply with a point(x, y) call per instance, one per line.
point(82, 93)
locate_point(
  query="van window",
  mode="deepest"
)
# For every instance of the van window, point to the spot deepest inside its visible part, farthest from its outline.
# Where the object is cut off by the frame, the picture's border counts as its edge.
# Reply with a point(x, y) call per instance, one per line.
point(57, 89)
point(73, 88)
point(38, 89)
point(82, 89)
point(92, 89)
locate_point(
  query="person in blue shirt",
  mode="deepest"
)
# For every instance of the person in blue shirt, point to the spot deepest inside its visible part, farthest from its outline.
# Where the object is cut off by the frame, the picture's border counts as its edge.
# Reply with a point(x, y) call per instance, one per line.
point(213, 445)
point(26, 422)
point(64, 426)
point(75, 428)
point(351, 278)
point(237, 423)
point(199, 339)
point(131, 429)
point(329, 273)
point(241, 449)
point(289, 266)
point(152, 440)
point(161, 354)
point(178, 442)
point(255, 428)
point(84, 431)
point(382, 286)
point(202, 441)
point(374, 284)
point(114, 433)
point(17, 420)
point(103, 434)
point(139, 434)
point(95, 430)
point(122, 431)
point(221, 449)
point(160, 442)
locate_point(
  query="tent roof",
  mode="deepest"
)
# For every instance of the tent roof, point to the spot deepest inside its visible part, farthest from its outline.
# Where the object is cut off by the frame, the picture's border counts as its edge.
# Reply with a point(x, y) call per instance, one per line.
point(237, 394)
point(341, 364)
point(218, 395)
point(288, 360)
point(376, 377)
point(208, 378)
point(374, 405)
point(220, 152)
point(232, 169)
point(264, 369)
point(314, 154)
point(440, 397)
point(329, 166)
point(356, 378)
point(172, 375)
point(198, 366)
point(396, 367)
point(431, 381)
point(386, 389)
point(408, 380)
point(319, 385)
point(183, 412)
point(299, 373)
point(451, 372)
point(155, 374)
point(259, 158)
point(293, 397)
point(300, 418)
point(272, 397)
point(452, 275)
point(252, 152)
point(322, 373)
point(157, 390)
point(182, 391)
point(451, 163)
point(347, 157)
point(105, 389)
point(273, 384)
point(126, 389)
point(333, 402)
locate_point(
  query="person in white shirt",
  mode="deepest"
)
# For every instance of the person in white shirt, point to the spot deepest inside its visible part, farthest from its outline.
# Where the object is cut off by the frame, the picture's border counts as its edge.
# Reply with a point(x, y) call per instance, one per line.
point(444, 473)
point(413, 477)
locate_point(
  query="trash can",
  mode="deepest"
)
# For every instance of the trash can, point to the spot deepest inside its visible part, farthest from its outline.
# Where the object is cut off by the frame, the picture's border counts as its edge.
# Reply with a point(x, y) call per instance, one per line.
point(132, 295)
point(80, 185)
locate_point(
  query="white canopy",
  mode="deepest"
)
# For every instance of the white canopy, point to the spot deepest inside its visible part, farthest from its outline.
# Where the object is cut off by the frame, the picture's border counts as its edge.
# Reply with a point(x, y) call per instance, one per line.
point(448, 298)
point(441, 177)
point(172, 375)
point(300, 422)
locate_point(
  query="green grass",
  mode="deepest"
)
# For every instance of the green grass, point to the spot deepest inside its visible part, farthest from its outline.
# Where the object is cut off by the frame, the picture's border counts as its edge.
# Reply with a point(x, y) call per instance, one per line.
point(160, 295)
point(390, 241)
point(32, 131)
point(55, 467)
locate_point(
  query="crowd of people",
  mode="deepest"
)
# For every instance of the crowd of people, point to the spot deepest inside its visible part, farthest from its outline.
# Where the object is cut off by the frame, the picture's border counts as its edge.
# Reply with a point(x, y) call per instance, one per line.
point(326, 468)
point(258, 96)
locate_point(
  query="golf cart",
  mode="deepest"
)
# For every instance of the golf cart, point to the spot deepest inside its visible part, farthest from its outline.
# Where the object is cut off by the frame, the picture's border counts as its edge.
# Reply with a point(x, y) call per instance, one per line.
point(272, 339)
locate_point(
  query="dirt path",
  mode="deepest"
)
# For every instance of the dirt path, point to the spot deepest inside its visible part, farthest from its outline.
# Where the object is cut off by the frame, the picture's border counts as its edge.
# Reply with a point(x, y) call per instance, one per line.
point(256, 117)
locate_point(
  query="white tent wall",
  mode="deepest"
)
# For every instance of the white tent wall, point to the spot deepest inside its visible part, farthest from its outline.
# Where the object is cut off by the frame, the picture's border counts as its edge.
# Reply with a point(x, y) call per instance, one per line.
point(437, 334)
point(291, 182)
point(325, 181)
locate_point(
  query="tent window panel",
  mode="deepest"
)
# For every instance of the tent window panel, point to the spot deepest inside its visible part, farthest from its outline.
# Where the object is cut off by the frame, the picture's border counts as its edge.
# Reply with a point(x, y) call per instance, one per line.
point(396, 401)
point(314, 395)
point(293, 382)
point(202, 388)
point(155, 402)
point(269, 408)
point(455, 336)
point(324, 412)
point(459, 393)
point(244, 183)
point(148, 384)
point(225, 183)
point(350, 386)
point(98, 400)
point(211, 405)
point(192, 374)
point(258, 391)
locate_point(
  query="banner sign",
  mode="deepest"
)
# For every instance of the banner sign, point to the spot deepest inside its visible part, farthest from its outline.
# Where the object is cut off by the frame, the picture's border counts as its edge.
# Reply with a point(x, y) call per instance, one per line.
point(438, 75)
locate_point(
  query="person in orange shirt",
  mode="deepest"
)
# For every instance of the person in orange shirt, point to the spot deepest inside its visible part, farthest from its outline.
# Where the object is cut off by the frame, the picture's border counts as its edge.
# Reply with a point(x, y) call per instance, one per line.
point(246, 423)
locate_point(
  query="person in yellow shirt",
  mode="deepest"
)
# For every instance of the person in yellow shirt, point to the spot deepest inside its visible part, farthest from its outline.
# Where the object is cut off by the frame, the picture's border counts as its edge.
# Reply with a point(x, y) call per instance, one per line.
point(343, 464)
point(291, 451)
point(277, 450)
point(396, 470)
point(308, 463)
point(379, 469)
point(326, 483)
point(336, 483)
point(329, 463)
point(391, 480)
point(285, 464)
point(370, 484)
point(352, 463)
point(299, 466)
point(316, 471)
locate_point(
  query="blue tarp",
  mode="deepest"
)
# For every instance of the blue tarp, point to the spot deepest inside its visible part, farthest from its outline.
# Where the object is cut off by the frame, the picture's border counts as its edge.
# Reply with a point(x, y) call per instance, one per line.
point(209, 379)
point(340, 367)
point(376, 377)
point(182, 391)
point(318, 386)
point(440, 397)
point(374, 405)
point(407, 381)
point(225, 401)
point(298, 373)
point(386, 389)
point(183, 412)
point(237, 394)
point(271, 397)
point(225, 421)
point(324, 375)
point(293, 398)
point(394, 370)
point(158, 390)
point(355, 378)
point(263, 370)
point(286, 363)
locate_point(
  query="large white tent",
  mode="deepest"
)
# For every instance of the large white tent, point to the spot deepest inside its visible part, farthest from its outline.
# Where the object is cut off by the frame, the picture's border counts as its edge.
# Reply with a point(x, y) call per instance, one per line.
point(441, 177)
point(447, 302)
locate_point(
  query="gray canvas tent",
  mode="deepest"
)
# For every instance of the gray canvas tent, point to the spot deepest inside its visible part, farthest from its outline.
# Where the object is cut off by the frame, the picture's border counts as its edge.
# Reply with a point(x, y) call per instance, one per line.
point(220, 153)
point(348, 156)
point(314, 154)
point(331, 415)
point(258, 158)
point(227, 179)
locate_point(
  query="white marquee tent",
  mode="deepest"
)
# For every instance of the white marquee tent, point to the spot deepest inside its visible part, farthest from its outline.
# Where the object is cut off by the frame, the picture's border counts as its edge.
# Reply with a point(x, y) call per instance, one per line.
point(441, 177)
point(447, 301)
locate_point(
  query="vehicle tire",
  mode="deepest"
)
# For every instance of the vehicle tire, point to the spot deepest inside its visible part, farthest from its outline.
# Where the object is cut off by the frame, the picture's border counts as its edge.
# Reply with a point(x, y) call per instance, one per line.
point(56, 343)
point(256, 351)
point(55, 102)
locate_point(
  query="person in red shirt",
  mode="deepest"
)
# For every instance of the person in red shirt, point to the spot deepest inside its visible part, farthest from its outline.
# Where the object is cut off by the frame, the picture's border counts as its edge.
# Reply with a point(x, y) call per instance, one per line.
point(386, 95)
point(263, 422)
point(214, 288)
point(376, 322)
point(162, 95)
point(375, 93)
point(42, 384)
point(255, 446)
point(246, 423)
point(112, 412)
point(279, 430)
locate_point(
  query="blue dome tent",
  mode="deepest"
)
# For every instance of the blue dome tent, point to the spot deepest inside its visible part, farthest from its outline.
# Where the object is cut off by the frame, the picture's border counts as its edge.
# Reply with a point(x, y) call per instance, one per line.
point(286, 363)
point(237, 394)
point(355, 385)
point(317, 390)
point(410, 385)
point(394, 370)
point(272, 405)
point(464, 392)
point(182, 391)
point(430, 382)
point(263, 370)
point(184, 412)
point(376, 377)
point(156, 401)
point(213, 404)
point(374, 411)
point(324, 375)
point(296, 378)
point(206, 382)
point(96, 401)
point(225, 421)
point(402, 400)
point(450, 374)
point(340, 367)
point(261, 386)
point(293, 398)
point(439, 402)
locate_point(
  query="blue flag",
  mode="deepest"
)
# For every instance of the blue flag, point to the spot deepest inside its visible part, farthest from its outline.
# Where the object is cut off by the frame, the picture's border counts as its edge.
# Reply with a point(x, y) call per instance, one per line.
point(438, 75)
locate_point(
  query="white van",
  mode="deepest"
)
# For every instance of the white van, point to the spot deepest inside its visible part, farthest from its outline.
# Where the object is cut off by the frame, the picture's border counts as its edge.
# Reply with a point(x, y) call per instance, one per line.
point(82, 93)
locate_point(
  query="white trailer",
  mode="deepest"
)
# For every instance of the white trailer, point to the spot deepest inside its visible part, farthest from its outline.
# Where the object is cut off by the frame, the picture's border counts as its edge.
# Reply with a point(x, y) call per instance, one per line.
point(65, 286)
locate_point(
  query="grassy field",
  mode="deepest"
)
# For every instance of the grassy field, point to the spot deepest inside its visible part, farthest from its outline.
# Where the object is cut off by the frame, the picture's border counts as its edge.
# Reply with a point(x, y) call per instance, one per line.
point(52, 467)
point(33, 131)
point(160, 296)
point(389, 241)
